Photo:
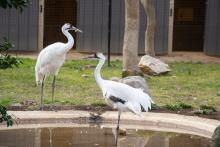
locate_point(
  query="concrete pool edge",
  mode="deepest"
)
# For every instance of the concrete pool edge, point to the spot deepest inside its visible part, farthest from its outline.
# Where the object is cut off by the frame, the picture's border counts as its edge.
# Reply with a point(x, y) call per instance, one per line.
point(150, 121)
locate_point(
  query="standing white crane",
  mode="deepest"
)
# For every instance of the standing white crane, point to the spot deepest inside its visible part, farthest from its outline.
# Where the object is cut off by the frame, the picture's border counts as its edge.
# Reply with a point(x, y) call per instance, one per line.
point(51, 58)
point(119, 95)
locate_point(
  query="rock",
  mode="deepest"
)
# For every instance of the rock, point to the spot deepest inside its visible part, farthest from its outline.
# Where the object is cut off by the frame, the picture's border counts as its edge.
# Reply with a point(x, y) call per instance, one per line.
point(29, 103)
point(152, 66)
point(216, 138)
point(136, 82)
point(16, 105)
point(116, 79)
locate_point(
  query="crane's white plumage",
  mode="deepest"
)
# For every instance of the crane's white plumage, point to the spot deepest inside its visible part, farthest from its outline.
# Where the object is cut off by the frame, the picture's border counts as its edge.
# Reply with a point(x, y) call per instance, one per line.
point(52, 57)
point(133, 98)
point(119, 95)
point(49, 61)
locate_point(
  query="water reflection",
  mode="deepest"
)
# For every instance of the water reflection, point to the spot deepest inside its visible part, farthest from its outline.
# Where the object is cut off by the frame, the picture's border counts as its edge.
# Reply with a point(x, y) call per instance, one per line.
point(96, 137)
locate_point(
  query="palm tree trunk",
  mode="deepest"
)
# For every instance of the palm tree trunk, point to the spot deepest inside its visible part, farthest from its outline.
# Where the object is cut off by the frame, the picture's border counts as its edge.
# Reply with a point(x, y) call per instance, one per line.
point(131, 37)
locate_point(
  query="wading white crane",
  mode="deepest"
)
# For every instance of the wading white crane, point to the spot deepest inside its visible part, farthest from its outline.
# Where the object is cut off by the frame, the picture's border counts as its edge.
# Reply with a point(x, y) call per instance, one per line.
point(51, 58)
point(121, 96)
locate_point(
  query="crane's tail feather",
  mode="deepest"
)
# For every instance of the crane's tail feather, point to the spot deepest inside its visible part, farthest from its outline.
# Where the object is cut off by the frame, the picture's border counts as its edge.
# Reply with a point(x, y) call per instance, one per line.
point(145, 100)
point(134, 108)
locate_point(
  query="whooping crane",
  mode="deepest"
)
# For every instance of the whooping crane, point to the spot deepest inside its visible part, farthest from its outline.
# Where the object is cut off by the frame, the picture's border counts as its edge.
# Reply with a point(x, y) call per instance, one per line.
point(51, 58)
point(119, 95)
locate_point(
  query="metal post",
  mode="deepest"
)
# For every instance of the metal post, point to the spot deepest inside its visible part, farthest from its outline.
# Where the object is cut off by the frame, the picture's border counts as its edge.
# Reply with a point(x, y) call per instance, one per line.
point(109, 30)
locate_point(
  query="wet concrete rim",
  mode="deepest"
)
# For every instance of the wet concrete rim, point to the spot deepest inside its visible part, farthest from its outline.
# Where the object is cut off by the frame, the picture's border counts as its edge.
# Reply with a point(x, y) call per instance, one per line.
point(149, 121)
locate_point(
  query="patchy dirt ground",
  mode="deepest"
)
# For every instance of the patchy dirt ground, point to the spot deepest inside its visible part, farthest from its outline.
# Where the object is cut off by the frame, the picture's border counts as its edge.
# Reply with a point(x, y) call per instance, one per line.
point(194, 57)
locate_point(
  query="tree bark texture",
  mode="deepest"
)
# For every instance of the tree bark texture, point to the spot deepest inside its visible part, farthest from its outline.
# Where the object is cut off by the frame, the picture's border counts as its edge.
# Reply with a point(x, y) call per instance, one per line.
point(151, 26)
point(131, 37)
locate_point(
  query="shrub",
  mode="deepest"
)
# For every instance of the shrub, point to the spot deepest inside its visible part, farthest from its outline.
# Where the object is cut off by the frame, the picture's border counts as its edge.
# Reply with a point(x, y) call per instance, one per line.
point(6, 60)
point(208, 108)
point(18, 4)
point(5, 117)
point(178, 106)
point(155, 107)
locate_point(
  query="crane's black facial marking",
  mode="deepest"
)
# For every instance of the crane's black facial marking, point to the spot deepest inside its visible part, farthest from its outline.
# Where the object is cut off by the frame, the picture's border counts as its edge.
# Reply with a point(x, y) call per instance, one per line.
point(116, 100)
point(70, 26)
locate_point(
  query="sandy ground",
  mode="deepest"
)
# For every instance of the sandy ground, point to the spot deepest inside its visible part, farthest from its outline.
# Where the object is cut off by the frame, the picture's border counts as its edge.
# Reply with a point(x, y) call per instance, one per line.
point(173, 57)
point(190, 57)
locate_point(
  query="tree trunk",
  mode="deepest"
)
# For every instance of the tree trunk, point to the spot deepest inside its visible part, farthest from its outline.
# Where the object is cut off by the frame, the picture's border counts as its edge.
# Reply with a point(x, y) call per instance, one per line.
point(131, 37)
point(151, 25)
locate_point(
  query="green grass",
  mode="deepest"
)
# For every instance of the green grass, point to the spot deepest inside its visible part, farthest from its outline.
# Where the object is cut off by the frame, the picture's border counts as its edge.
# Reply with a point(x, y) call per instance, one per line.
point(177, 106)
point(194, 84)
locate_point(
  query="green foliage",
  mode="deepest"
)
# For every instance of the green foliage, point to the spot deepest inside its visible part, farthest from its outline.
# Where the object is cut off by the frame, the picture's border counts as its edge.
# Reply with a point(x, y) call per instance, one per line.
point(205, 110)
point(155, 107)
point(6, 60)
point(99, 104)
point(196, 89)
point(177, 106)
point(17, 4)
point(5, 101)
point(5, 117)
point(5, 46)
point(185, 106)
point(218, 93)
point(172, 107)
point(205, 107)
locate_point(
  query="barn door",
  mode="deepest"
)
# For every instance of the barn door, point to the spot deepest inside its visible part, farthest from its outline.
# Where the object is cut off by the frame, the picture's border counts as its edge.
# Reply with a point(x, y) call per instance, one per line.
point(58, 12)
point(189, 20)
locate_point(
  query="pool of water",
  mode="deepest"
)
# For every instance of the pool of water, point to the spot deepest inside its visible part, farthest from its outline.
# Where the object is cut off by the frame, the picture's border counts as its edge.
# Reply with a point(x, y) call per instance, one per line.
point(96, 137)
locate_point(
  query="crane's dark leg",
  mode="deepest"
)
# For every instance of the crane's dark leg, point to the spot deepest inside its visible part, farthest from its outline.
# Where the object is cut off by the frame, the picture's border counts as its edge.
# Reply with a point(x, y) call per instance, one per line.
point(117, 129)
point(42, 95)
point(53, 87)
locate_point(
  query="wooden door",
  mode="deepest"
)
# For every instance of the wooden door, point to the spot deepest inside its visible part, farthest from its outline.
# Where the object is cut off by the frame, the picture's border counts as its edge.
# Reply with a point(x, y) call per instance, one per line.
point(58, 12)
point(189, 20)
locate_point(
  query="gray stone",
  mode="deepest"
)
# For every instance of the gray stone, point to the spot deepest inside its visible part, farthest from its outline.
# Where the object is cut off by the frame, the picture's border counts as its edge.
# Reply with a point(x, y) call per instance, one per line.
point(116, 79)
point(29, 103)
point(216, 138)
point(136, 82)
point(16, 105)
point(153, 66)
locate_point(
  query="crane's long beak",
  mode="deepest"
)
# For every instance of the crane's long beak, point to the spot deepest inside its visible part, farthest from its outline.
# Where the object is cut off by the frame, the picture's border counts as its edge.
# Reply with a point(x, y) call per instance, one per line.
point(76, 29)
point(94, 56)
point(89, 57)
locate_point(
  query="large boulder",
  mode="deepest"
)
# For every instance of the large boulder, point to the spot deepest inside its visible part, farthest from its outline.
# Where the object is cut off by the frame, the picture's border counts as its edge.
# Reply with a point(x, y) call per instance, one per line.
point(153, 66)
point(136, 82)
point(216, 138)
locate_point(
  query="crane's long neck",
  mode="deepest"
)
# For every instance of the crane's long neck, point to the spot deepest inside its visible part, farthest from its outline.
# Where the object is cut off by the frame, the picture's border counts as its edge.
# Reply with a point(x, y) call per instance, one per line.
point(98, 77)
point(70, 42)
